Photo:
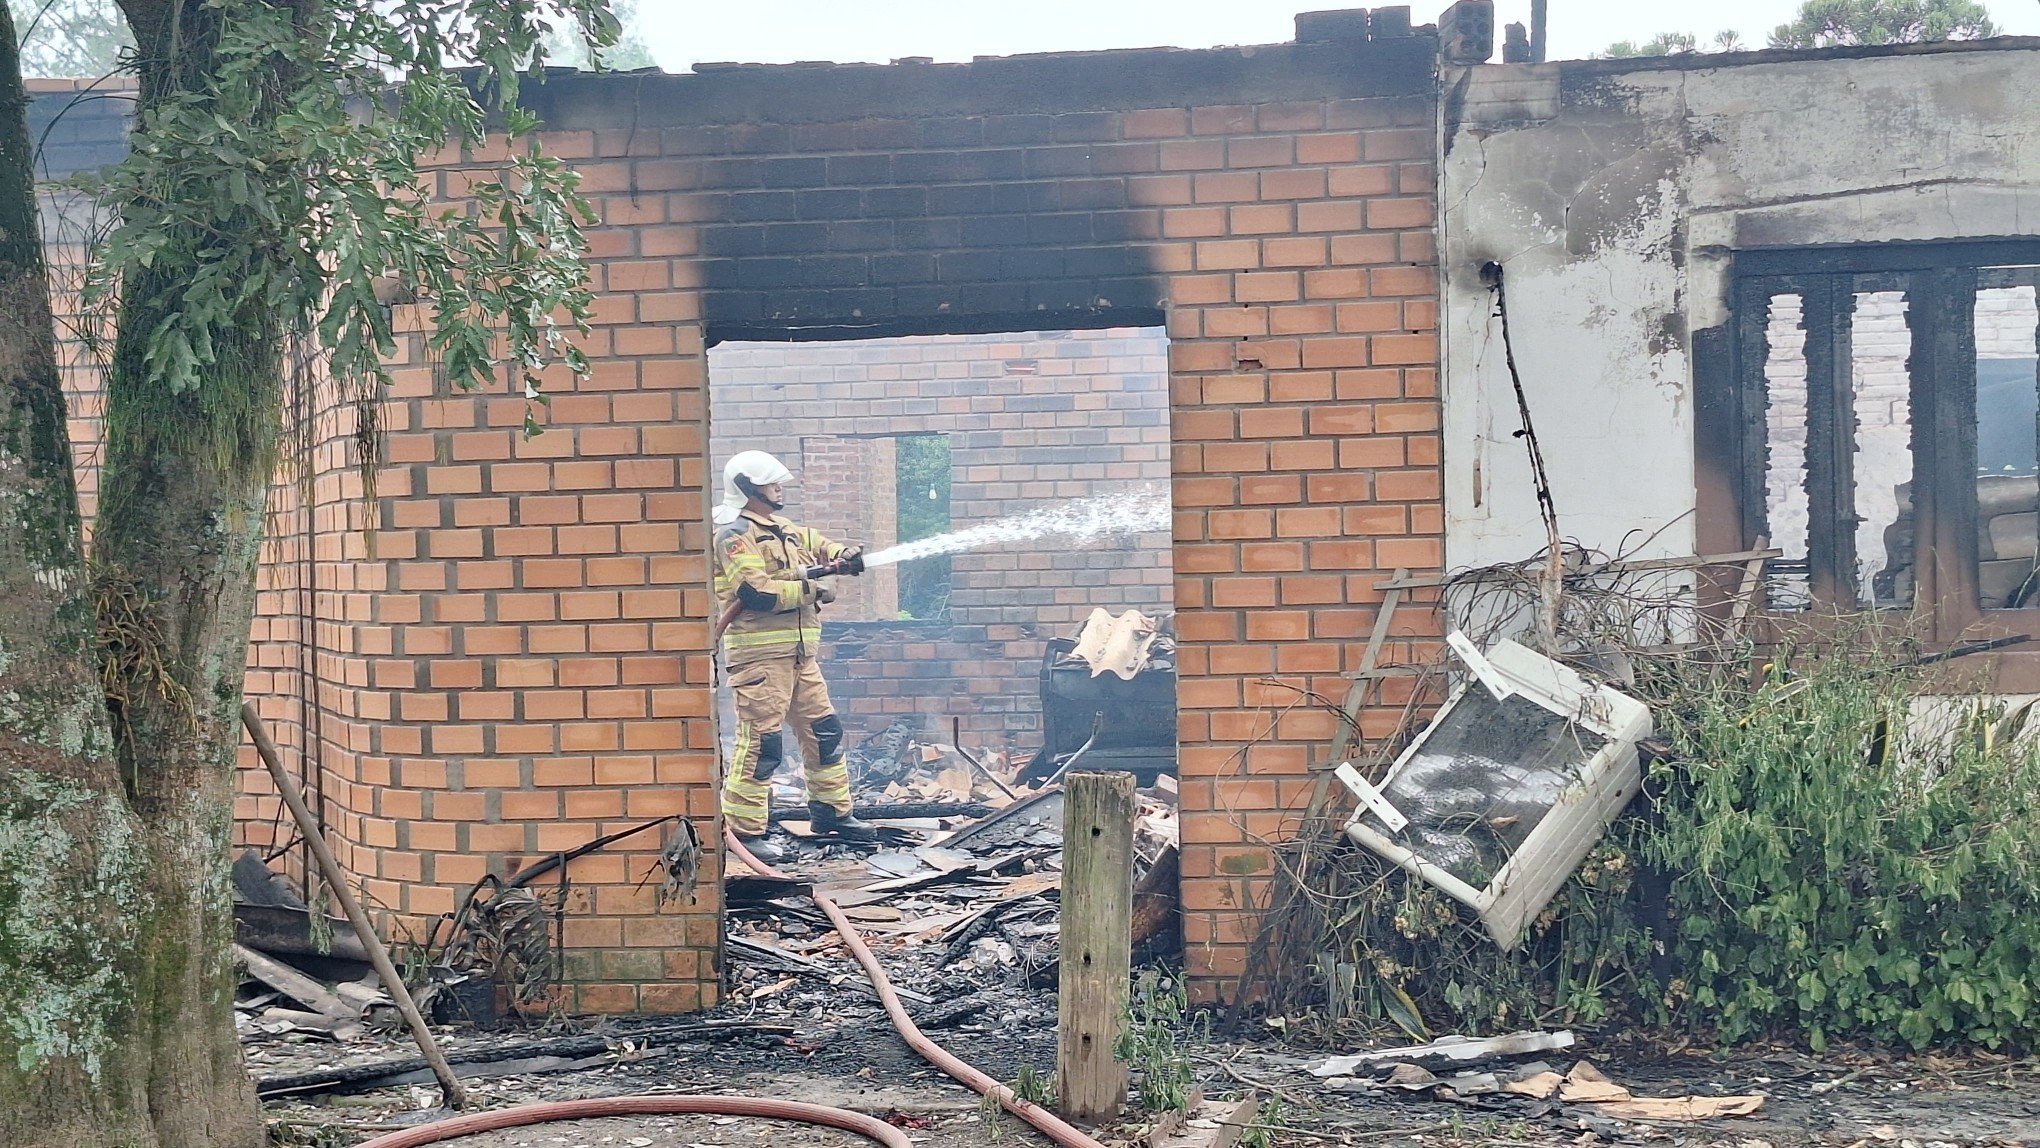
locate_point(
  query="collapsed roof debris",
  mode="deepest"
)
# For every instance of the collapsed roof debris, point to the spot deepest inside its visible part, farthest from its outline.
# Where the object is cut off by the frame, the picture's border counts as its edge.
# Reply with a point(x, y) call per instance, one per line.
point(1587, 1095)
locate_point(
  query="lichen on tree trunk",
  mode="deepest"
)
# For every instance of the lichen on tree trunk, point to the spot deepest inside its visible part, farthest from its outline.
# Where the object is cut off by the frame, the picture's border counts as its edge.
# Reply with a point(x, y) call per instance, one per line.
point(254, 210)
point(177, 538)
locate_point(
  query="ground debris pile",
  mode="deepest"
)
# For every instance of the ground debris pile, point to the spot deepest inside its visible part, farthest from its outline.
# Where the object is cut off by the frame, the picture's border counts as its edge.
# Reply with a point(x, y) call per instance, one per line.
point(502, 950)
point(905, 766)
point(965, 917)
point(1460, 1070)
point(1642, 1093)
point(1108, 699)
point(275, 998)
point(305, 975)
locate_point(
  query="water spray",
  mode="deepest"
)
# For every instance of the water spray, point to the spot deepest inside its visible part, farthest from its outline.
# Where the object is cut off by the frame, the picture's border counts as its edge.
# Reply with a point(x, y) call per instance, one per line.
point(1078, 522)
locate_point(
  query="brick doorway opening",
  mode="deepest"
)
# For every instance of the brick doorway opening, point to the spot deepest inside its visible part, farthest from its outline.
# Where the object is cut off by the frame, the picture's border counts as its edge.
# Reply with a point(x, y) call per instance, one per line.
point(899, 438)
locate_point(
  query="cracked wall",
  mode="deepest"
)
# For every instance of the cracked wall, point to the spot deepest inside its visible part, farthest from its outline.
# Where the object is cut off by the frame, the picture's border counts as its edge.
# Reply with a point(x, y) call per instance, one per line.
point(1615, 193)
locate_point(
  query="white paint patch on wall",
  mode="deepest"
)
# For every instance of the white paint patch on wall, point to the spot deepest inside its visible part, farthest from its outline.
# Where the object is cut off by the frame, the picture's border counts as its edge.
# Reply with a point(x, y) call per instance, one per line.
point(1613, 193)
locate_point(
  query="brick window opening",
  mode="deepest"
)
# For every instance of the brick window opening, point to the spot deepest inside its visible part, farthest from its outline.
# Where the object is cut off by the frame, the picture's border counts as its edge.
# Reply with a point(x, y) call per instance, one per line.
point(1890, 426)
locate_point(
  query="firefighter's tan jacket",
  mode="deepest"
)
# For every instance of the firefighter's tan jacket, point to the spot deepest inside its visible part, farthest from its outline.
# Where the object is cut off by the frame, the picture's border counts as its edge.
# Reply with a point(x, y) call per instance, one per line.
point(758, 560)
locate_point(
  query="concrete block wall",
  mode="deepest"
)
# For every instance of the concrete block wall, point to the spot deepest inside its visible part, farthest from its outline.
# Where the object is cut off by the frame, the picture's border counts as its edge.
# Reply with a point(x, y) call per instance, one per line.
point(1032, 419)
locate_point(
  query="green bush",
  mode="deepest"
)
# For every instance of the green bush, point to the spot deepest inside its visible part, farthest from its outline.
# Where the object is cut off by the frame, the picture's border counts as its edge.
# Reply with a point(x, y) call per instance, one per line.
point(1839, 869)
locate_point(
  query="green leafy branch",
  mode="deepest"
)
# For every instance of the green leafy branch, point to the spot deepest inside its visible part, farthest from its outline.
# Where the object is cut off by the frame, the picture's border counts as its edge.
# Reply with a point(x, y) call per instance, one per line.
point(304, 184)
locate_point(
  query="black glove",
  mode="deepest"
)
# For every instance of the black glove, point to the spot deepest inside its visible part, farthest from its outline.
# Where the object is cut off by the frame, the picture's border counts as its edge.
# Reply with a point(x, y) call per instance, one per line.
point(853, 560)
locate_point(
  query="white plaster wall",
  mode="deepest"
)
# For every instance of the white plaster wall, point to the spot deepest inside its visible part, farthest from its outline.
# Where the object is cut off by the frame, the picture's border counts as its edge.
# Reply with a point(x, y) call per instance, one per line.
point(1612, 197)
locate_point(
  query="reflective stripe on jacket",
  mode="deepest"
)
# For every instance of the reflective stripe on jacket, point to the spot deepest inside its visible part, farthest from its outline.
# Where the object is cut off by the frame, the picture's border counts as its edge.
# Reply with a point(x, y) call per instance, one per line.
point(758, 560)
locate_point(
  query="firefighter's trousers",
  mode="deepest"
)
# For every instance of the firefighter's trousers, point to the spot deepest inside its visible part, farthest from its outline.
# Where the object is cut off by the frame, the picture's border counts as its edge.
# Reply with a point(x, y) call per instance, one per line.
point(768, 693)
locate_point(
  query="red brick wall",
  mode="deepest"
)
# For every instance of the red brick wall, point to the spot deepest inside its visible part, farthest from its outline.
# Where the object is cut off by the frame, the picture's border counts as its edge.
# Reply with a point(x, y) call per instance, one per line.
point(280, 652)
point(521, 652)
point(1032, 419)
point(509, 664)
point(520, 662)
point(1294, 243)
point(1303, 378)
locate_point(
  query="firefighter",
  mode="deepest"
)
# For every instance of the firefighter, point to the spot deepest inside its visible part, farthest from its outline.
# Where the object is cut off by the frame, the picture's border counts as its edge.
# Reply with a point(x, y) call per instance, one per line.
point(771, 578)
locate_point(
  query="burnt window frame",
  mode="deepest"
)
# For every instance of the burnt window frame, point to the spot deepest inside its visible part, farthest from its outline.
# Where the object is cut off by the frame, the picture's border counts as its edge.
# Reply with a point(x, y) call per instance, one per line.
point(1940, 281)
point(946, 565)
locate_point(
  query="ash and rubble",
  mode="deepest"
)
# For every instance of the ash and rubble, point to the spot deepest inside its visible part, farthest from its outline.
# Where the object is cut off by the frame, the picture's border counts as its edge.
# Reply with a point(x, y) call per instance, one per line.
point(960, 900)
point(961, 896)
point(962, 910)
point(967, 931)
point(969, 935)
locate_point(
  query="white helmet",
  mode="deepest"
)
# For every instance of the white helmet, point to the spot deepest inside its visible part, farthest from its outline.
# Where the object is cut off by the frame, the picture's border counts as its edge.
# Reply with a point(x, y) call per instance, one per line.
point(753, 466)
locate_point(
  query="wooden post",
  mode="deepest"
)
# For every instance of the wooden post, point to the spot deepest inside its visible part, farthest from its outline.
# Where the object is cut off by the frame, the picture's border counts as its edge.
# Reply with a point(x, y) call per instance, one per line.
point(450, 1090)
point(1097, 946)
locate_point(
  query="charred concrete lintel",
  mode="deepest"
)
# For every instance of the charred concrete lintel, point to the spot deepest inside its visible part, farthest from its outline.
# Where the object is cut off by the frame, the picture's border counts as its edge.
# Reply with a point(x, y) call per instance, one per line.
point(891, 327)
point(1600, 84)
point(1348, 25)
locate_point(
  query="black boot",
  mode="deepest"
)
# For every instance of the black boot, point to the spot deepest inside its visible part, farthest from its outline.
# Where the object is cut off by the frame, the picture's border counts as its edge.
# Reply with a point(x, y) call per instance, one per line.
point(829, 823)
point(763, 849)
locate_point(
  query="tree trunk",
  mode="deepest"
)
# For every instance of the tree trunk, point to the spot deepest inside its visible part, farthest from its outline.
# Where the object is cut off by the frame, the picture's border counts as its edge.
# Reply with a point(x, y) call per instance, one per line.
point(175, 548)
point(176, 544)
point(71, 862)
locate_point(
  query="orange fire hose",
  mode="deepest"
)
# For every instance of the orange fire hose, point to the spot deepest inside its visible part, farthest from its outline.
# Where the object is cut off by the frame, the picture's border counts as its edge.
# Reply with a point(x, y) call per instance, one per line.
point(1044, 1121)
point(1040, 1118)
point(865, 1126)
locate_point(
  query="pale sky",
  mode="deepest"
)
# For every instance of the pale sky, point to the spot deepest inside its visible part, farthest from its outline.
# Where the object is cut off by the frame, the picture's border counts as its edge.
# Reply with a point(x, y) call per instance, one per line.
point(681, 32)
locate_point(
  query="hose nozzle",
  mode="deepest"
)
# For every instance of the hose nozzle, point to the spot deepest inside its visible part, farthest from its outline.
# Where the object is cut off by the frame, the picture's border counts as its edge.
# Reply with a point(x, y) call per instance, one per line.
point(852, 562)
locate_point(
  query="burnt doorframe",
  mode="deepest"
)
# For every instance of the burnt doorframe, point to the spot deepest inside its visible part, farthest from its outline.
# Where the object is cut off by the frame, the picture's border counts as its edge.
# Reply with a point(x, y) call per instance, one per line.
point(1039, 322)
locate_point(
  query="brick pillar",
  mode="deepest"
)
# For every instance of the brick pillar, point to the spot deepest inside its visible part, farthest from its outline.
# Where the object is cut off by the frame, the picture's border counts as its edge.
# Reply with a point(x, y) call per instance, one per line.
point(1303, 328)
point(521, 661)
